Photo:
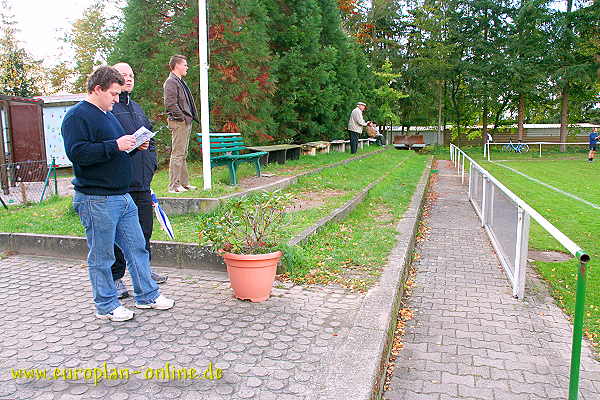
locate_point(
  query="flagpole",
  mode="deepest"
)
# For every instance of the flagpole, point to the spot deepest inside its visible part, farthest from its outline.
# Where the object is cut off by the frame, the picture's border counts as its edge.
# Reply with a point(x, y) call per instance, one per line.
point(204, 108)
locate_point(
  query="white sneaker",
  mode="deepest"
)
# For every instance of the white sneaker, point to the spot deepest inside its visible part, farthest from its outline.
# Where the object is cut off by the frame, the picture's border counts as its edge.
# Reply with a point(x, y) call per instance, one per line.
point(119, 314)
point(178, 189)
point(160, 303)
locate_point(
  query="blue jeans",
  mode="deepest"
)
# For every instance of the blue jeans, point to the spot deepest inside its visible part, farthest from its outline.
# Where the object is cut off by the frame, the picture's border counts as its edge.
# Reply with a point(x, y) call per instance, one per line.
point(108, 220)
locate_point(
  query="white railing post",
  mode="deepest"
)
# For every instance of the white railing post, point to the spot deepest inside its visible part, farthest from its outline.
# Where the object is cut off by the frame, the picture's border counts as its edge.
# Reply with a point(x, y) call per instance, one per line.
point(483, 202)
point(470, 180)
point(490, 206)
point(462, 177)
point(520, 261)
point(457, 157)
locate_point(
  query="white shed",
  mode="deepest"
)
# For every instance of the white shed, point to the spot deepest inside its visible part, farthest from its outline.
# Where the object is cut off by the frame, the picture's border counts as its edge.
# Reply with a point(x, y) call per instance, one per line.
point(54, 110)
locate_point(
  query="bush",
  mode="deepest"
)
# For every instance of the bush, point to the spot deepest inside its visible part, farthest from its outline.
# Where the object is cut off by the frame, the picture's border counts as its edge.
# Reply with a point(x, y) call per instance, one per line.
point(246, 225)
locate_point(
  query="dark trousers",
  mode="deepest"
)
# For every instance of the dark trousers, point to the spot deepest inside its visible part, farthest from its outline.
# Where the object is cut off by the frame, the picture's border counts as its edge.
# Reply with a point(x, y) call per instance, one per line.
point(143, 201)
point(353, 141)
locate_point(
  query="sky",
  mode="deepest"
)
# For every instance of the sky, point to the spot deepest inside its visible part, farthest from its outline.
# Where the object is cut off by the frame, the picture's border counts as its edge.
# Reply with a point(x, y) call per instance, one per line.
point(42, 22)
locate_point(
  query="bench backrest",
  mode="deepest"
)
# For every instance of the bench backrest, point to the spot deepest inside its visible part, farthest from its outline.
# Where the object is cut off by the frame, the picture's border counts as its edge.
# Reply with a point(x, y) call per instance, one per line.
point(409, 139)
point(221, 143)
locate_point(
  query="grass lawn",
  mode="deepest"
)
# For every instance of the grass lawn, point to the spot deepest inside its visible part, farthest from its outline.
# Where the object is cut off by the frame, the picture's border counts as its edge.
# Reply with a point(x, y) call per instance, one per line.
point(220, 175)
point(353, 252)
point(333, 186)
point(575, 219)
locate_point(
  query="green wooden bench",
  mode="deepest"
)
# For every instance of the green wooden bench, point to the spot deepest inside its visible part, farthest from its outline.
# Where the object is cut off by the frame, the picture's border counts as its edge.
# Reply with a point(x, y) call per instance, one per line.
point(225, 150)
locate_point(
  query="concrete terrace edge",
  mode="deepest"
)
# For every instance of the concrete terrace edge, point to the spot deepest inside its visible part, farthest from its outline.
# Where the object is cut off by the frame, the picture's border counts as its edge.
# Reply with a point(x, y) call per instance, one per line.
point(357, 371)
point(164, 254)
point(187, 205)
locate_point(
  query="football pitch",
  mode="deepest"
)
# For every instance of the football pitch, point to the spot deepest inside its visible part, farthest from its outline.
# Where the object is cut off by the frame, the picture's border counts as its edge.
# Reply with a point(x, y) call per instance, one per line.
point(566, 191)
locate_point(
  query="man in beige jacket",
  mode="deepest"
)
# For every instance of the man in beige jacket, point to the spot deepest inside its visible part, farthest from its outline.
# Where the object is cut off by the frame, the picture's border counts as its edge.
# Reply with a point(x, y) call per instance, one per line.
point(181, 111)
point(356, 123)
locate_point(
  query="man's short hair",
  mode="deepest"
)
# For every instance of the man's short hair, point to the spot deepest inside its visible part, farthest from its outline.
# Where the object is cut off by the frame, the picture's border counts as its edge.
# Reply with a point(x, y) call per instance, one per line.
point(104, 77)
point(176, 59)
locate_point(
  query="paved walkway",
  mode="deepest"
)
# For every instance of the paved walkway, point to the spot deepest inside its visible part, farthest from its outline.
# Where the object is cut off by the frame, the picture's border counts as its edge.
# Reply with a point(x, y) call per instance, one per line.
point(470, 339)
point(278, 349)
point(304, 343)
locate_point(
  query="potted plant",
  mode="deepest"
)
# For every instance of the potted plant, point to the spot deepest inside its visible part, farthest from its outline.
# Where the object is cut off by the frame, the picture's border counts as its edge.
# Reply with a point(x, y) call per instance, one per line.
point(244, 232)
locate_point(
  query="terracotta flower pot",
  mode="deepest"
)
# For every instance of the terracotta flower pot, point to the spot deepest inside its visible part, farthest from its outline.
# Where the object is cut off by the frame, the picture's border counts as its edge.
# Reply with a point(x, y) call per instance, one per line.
point(252, 275)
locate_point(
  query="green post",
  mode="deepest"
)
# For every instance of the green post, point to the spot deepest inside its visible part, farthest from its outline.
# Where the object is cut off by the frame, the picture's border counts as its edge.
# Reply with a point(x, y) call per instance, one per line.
point(577, 331)
point(55, 180)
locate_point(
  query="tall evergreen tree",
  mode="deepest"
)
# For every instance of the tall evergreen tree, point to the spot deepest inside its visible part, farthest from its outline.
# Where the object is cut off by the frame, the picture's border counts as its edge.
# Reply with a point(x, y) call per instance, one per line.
point(146, 41)
point(241, 84)
point(240, 76)
point(308, 85)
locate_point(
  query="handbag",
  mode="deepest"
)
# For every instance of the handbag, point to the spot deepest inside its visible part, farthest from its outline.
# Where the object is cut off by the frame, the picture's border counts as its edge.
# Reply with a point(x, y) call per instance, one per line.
point(371, 131)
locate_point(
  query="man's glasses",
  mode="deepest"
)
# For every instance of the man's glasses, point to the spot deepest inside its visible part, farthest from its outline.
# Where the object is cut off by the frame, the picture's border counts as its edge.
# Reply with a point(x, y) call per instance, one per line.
point(128, 76)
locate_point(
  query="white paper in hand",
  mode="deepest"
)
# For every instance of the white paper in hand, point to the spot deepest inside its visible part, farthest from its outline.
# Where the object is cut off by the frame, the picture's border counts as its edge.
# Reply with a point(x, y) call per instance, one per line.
point(142, 135)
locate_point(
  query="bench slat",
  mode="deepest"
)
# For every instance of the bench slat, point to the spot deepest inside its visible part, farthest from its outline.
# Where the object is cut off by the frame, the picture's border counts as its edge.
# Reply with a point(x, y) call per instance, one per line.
point(226, 149)
point(221, 134)
point(225, 140)
point(225, 145)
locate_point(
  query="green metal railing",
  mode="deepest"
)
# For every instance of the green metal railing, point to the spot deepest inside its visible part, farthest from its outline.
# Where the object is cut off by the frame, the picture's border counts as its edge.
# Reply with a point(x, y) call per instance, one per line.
point(578, 326)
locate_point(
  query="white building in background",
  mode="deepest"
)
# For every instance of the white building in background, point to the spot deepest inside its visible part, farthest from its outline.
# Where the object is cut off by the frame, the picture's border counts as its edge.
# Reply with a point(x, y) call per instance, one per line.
point(430, 133)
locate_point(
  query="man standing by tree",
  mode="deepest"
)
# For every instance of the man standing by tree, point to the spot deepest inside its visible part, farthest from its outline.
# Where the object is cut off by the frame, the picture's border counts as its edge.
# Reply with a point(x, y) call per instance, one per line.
point(356, 123)
point(95, 144)
point(181, 111)
point(144, 162)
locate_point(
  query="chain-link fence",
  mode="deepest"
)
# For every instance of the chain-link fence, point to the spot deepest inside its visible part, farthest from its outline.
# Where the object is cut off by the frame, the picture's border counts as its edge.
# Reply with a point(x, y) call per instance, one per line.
point(28, 182)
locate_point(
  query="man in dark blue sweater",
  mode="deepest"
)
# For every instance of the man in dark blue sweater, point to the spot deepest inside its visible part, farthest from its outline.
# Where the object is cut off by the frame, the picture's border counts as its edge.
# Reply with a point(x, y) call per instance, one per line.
point(144, 162)
point(95, 144)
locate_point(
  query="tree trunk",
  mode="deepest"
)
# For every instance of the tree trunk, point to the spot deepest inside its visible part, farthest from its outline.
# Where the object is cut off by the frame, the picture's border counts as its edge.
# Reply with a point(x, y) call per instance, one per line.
point(484, 122)
point(521, 116)
point(498, 114)
point(440, 107)
point(457, 112)
point(564, 116)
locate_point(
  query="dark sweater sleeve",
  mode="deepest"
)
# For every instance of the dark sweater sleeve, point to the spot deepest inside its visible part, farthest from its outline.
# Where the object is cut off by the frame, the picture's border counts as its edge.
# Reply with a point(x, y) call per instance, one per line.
point(80, 146)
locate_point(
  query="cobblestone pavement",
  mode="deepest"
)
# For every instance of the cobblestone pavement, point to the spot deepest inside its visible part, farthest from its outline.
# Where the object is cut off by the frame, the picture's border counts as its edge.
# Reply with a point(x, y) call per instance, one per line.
point(469, 338)
point(278, 349)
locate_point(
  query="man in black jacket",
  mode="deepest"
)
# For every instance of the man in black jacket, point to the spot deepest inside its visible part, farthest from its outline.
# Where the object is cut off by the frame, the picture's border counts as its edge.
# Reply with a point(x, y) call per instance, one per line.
point(144, 163)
